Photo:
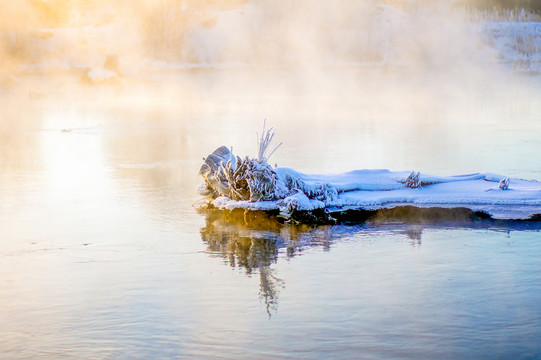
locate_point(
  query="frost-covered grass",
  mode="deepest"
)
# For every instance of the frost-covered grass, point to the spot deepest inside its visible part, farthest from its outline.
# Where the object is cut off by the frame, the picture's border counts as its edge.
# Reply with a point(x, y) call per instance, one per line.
point(494, 14)
point(517, 43)
point(264, 144)
point(166, 23)
point(514, 34)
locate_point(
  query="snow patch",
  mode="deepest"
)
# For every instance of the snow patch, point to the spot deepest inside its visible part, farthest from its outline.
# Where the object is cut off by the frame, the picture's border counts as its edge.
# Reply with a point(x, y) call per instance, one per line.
point(100, 74)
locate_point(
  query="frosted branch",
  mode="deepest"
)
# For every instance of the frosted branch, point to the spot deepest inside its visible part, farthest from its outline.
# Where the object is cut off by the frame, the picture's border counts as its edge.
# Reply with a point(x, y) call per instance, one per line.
point(264, 142)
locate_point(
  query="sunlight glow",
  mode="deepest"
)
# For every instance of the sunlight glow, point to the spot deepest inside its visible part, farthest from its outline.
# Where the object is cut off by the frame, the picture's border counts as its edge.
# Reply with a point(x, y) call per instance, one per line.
point(72, 156)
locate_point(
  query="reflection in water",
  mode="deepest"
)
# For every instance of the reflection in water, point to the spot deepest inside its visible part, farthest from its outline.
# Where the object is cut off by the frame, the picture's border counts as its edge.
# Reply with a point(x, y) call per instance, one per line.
point(100, 192)
point(254, 241)
point(414, 234)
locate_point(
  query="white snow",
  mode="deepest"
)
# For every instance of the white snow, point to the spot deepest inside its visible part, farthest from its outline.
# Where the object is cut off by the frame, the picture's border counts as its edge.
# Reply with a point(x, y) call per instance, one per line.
point(298, 201)
point(377, 189)
point(100, 74)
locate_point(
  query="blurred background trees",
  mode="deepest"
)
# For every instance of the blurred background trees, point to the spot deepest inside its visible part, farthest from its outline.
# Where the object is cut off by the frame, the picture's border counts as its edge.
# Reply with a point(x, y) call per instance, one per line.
point(532, 5)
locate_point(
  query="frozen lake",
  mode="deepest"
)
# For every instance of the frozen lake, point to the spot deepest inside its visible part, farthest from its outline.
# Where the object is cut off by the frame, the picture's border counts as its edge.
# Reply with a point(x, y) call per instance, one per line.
point(104, 256)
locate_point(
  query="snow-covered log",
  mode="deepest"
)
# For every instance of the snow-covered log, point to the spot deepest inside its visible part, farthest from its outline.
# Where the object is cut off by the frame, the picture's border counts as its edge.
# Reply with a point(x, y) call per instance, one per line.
point(228, 177)
point(252, 184)
point(239, 179)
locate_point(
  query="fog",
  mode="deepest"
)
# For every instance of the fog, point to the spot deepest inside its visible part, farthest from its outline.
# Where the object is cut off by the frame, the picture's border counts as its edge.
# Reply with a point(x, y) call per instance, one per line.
point(304, 37)
point(397, 64)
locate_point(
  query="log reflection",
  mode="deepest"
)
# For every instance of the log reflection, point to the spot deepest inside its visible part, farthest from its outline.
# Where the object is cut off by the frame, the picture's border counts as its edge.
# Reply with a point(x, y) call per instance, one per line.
point(255, 240)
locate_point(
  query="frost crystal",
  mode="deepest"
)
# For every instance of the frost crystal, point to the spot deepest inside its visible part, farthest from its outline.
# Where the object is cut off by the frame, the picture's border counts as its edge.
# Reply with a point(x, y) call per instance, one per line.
point(322, 192)
point(255, 180)
point(264, 144)
point(412, 181)
point(504, 184)
point(238, 179)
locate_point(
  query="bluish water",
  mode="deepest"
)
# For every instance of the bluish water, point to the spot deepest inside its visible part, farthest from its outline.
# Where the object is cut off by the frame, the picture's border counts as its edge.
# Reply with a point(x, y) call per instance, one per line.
point(104, 256)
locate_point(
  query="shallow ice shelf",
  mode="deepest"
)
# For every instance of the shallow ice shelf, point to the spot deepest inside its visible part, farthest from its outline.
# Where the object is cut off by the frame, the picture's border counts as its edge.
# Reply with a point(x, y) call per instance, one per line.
point(234, 183)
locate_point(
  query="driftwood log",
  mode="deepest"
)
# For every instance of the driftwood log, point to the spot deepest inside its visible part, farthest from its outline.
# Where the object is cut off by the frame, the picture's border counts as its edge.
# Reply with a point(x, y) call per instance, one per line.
point(240, 179)
point(253, 180)
point(231, 182)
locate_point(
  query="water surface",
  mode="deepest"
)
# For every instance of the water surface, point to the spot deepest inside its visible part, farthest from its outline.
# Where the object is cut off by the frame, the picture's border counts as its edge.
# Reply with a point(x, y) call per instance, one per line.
point(103, 255)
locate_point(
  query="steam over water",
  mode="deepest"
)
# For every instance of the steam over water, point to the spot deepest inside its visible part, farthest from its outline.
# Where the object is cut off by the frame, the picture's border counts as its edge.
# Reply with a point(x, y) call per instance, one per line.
point(103, 254)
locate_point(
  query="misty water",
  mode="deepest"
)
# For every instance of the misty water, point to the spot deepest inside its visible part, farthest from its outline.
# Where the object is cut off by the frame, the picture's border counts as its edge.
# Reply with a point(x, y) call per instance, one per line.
point(104, 255)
